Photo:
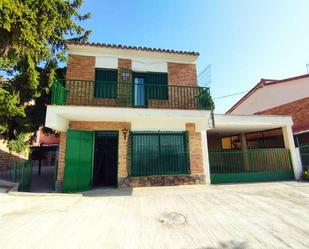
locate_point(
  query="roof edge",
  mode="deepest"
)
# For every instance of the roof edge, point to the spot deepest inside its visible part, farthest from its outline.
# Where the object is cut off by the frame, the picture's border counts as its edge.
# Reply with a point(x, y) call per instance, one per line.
point(263, 82)
point(128, 47)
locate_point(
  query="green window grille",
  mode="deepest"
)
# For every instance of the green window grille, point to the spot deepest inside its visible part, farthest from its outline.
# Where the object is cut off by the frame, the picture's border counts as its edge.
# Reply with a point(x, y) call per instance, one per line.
point(105, 83)
point(159, 153)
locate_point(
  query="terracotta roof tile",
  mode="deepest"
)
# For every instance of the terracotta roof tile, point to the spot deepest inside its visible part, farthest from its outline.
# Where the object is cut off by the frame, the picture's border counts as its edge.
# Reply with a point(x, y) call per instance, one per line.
point(118, 46)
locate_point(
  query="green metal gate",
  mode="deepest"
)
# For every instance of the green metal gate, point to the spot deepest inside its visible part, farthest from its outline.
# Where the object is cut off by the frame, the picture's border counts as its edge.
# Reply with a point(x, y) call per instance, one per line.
point(78, 160)
point(252, 165)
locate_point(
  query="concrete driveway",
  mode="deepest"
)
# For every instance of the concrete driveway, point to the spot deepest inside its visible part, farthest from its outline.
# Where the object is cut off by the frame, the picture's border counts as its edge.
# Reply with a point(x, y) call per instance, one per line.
point(265, 215)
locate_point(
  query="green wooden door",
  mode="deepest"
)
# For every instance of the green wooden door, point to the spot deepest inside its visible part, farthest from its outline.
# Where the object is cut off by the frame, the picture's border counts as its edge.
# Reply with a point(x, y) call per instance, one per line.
point(78, 161)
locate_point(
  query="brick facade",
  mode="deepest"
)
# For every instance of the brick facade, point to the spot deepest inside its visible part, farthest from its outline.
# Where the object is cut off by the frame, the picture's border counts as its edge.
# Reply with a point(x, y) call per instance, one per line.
point(124, 156)
point(61, 155)
point(299, 110)
point(82, 70)
point(182, 74)
point(195, 149)
point(81, 67)
point(124, 63)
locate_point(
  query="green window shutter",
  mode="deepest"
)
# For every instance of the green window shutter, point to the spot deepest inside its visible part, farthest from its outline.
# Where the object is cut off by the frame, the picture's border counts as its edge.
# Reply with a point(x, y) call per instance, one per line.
point(78, 160)
point(159, 154)
point(105, 83)
point(157, 86)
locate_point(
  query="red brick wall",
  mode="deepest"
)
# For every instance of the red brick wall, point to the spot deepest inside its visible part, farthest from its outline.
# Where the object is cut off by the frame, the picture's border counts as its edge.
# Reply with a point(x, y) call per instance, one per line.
point(299, 110)
point(195, 150)
point(182, 74)
point(124, 63)
point(81, 67)
point(61, 159)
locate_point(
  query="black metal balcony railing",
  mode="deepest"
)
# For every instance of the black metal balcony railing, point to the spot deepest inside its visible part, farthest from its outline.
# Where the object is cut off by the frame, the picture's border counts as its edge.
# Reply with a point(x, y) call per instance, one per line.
point(98, 93)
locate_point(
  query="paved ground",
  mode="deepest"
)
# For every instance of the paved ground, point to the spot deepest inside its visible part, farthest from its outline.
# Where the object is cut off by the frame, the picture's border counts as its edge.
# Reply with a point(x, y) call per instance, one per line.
point(43, 183)
point(267, 215)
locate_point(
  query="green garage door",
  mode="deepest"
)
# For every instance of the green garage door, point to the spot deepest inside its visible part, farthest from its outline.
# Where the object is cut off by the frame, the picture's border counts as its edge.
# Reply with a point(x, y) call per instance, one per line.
point(78, 161)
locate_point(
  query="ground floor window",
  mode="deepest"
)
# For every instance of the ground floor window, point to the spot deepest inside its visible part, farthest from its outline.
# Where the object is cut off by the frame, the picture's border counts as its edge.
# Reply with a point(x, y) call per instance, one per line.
point(159, 153)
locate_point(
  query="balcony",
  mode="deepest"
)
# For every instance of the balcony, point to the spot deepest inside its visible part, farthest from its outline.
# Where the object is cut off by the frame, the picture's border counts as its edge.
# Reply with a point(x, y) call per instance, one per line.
point(103, 93)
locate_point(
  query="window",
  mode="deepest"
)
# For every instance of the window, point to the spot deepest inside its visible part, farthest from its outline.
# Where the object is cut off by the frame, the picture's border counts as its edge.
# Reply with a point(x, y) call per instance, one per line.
point(105, 83)
point(159, 154)
point(265, 139)
point(156, 85)
point(229, 143)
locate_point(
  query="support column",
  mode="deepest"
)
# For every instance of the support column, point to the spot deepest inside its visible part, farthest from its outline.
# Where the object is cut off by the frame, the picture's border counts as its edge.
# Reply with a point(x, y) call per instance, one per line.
point(289, 144)
point(205, 157)
point(244, 149)
point(61, 160)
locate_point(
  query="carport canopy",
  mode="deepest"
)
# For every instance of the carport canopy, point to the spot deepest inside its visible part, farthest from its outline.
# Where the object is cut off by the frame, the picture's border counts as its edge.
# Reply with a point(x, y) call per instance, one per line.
point(244, 158)
point(229, 125)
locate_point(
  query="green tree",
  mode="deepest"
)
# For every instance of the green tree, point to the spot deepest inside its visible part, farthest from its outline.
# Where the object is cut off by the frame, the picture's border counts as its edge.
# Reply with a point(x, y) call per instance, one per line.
point(32, 44)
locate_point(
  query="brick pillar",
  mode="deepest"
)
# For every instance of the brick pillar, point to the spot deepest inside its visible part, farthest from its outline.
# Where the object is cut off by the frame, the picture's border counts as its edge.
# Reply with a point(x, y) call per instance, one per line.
point(195, 150)
point(81, 68)
point(124, 89)
point(123, 153)
point(61, 160)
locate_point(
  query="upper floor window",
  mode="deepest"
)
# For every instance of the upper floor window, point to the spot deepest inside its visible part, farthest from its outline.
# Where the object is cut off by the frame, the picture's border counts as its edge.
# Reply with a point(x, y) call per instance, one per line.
point(156, 85)
point(105, 83)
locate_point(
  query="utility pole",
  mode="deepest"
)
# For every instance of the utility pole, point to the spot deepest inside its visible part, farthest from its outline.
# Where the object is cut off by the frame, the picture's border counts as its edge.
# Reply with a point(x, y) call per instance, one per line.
point(307, 66)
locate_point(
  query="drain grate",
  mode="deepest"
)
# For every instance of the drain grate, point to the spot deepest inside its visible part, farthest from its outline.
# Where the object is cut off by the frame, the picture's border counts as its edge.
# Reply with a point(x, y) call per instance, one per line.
point(172, 218)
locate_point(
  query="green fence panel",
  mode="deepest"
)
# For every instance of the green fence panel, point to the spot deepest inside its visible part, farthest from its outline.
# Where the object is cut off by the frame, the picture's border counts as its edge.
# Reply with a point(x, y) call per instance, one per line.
point(250, 165)
point(59, 93)
point(155, 154)
point(22, 174)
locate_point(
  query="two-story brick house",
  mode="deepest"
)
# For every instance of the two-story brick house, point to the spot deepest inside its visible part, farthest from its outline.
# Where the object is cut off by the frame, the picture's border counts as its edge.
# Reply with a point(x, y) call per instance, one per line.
point(128, 109)
point(135, 116)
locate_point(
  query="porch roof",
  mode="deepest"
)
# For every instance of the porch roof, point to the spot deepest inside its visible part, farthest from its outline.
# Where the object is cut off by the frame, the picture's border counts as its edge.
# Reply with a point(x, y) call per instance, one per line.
point(229, 124)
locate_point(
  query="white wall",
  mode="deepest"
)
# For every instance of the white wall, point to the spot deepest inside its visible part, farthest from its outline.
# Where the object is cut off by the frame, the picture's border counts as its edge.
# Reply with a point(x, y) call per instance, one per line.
point(274, 95)
point(132, 54)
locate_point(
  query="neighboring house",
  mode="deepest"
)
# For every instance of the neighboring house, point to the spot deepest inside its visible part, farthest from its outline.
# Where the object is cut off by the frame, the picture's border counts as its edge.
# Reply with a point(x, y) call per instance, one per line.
point(45, 139)
point(279, 97)
point(135, 116)
point(44, 149)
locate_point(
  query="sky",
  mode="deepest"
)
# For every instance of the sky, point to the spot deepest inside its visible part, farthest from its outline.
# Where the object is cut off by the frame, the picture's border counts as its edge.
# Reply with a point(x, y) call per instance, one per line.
point(243, 41)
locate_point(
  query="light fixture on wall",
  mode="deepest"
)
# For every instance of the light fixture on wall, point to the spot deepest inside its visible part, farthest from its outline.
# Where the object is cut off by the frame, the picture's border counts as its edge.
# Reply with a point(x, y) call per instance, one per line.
point(124, 132)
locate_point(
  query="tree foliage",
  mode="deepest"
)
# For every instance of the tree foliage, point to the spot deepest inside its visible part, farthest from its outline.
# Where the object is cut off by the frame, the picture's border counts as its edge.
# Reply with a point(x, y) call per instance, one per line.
point(32, 43)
